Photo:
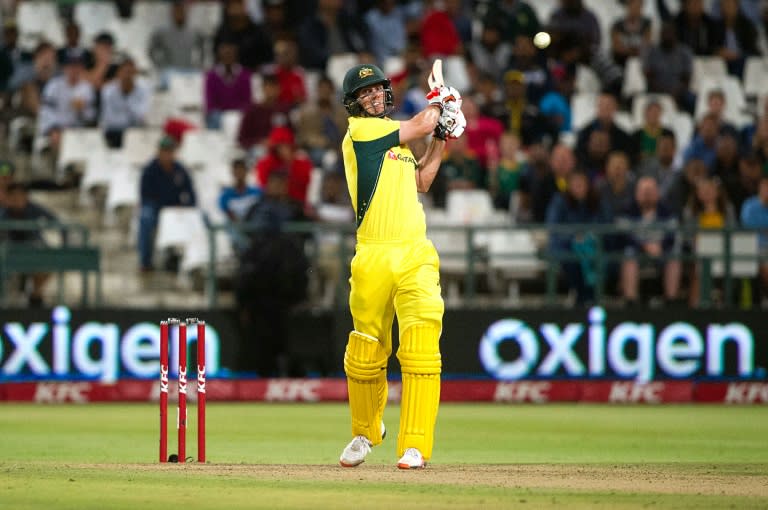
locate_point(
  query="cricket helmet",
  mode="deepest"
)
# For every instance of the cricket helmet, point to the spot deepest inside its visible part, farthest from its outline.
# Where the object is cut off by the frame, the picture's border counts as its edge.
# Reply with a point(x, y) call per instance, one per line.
point(359, 77)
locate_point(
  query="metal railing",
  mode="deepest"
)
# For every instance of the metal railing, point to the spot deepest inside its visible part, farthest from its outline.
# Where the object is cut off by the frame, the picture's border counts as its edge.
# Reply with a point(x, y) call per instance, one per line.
point(474, 253)
point(57, 247)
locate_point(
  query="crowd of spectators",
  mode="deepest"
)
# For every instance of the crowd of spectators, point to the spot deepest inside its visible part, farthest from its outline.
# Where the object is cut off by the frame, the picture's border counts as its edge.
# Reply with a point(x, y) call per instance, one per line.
point(521, 143)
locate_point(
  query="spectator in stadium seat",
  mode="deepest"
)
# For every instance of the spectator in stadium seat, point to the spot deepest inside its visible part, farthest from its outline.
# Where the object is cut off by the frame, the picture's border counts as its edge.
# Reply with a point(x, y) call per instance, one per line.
point(330, 30)
point(661, 165)
point(514, 18)
point(260, 118)
point(227, 85)
point(20, 59)
point(630, 35)
point(556, 103)
point(708, 208)
point(754, 214)
point(68, 101)
point(461, 168)
point(7, 172)
point(283, 156)
point(704, 143)
point(578, 205)
point(745, 182)
point(253, 43)
point(490, 54)
point(103, 65)
point(124, 104)
point(321, 124)
point(523, 117)
point(385, 23)
point(683, 185)
point(617, 189)
point(716, 106)
point(668, 67)
point(726, 163)
point(504, 174)
point(735, 37)
point(31, 85)
point(604, 120)
point(489, 98)
point(19, 207)
point(176, 47)
point(72, 46)
point(236, 200)
point(695, 28)
point(164, 183)
point(482, 133)
point(289, 74)
point(462, 18)
point(438, 35)
point(657, 244)
point(647, 136)
point(534, 66)
point(543, 181)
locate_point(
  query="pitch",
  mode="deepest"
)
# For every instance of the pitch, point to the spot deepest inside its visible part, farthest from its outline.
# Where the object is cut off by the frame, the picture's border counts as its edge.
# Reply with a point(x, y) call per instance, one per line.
point(486, 456)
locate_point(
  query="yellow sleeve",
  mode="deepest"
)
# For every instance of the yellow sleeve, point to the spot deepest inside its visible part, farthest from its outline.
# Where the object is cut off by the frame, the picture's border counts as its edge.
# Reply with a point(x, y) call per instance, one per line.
point(369, 128)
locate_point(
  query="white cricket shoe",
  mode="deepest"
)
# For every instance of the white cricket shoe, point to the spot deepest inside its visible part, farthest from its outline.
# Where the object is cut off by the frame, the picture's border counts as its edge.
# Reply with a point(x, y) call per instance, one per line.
point(411, 459)
point(355, 452)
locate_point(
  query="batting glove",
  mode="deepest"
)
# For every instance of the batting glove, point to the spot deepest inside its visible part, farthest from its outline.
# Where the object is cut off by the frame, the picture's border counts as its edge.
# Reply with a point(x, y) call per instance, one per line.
point(444, 96)
point(451, 124)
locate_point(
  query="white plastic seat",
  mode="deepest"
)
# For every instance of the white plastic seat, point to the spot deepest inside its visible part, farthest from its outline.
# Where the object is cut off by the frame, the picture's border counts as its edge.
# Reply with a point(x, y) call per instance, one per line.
point(204, 146)
point(175, 225)
point(544, 9)
point(123, 190)
point(682, 125)
point(140, 145)
point(230, 125)
point(78, 144)
point(706, 67)
point(132, 37)
point(204, 16)
point(161, 107)
point(755, 76)
point(92, 17)
point(512, 256)
point(607, 13)
point(469, 207)
point(338, 65)
point(153, 14)
point(456, 74)
point(393, 65)
point(586, 80)
point(99, 168)
point(583, 106)
point(634, 78)
point(37, 21)
point(187, 90)
point(712, 244)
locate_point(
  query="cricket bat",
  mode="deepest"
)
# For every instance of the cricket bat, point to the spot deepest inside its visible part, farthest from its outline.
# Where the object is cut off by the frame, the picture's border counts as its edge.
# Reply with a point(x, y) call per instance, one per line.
point(435, 78)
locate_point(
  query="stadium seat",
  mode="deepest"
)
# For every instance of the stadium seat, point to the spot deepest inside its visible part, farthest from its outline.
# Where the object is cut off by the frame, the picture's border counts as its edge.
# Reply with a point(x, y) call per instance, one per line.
point(161, 107)
point(315, 187)
point(607, 13)
point(338, 65)
point(451, 245)
point(625, 121)
point(187, 90)
point(153, 14)
point(634, 78)
point(79, 144)
point(393, 65)
point(38, 21)
point(140, 145)
point(92, 17)
point(706, 68)
point(175, 225)
point(587, 80)
point(681, 123)
point(204, 16)
point(230, 126)
point(132, 38)
point(582, 109)
point(711, 244)
point(469, 207)
point(544, 9)
point(456, 74)
point(755, 76)
point(205, 146)
point(512, 256)
point(123, 191)
point(99, 168)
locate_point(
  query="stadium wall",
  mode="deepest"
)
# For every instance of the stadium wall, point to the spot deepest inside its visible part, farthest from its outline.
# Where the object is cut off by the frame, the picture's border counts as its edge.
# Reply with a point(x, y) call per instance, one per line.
point(592, 355)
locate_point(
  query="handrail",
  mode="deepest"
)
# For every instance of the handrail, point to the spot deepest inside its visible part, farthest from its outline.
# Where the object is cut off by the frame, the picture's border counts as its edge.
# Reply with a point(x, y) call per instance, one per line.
point(474, 253)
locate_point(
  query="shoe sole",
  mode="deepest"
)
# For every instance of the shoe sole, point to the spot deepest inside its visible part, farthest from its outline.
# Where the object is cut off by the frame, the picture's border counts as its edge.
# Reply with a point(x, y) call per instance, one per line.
point(342, 464)
point(408, 466)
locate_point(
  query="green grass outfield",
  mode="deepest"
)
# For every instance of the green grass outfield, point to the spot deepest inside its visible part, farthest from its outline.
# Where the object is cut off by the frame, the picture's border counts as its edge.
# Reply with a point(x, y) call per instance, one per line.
point(486, 456)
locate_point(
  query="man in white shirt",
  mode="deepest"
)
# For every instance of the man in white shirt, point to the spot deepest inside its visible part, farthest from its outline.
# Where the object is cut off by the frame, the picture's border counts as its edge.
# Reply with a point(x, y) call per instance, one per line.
point(124, 104)
point(68, 101)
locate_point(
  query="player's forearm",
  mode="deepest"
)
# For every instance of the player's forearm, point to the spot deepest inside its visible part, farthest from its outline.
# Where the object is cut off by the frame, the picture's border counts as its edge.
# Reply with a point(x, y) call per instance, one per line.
point(429, 165)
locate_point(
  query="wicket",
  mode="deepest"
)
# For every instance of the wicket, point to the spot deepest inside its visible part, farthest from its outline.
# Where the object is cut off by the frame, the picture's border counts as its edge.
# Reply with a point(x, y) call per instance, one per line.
point(181, 411)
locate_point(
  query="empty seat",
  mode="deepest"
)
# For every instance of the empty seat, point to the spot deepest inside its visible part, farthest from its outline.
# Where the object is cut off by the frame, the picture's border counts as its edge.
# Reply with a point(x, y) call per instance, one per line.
point(582, 109)
point(456, 73)
point(586, 80)
point(755, 76)
point(681, 124)
point(469, 207)
point(78, 144)
point(634, 78)
point(204, 146)
point(187, 90)
point(706, 67)
point(93, 17)
point(140, 145)
point(204, 16)
point(338, 65)
point(38, 21)
point(743, 244)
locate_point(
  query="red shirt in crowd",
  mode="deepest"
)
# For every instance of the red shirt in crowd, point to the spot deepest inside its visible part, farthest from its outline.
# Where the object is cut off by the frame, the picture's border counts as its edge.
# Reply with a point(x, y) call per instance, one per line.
point(439, 35)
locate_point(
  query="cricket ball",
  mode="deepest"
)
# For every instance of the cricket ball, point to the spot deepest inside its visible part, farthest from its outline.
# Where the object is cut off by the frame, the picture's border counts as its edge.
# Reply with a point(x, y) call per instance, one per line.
point(541, 40)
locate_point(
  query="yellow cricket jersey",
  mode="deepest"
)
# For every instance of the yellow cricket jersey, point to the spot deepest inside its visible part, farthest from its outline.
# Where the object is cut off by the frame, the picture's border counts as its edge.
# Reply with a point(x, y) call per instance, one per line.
point(382, 182)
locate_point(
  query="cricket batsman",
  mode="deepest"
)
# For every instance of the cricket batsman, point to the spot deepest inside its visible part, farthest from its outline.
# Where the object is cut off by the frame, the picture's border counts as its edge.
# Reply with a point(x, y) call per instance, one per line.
point(395, 269)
